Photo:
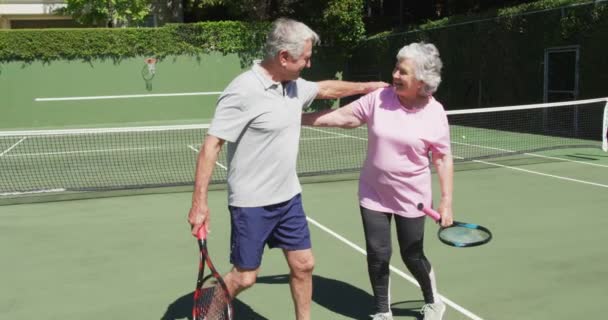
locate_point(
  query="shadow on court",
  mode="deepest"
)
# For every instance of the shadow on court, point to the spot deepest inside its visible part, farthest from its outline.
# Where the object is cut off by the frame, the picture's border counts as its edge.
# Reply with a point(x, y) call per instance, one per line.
point(336, 296)
point(182, 309)
point(585, 156)
point(409, 308)
point(347, 300)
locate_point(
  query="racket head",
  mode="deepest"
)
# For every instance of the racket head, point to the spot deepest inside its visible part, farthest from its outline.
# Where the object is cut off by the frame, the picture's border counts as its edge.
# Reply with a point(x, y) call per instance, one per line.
point(463, 234)
point(211, 301)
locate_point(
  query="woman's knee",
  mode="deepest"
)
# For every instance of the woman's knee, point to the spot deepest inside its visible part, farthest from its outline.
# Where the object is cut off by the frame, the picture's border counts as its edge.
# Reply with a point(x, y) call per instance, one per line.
point(379, 253)
point(415, 259)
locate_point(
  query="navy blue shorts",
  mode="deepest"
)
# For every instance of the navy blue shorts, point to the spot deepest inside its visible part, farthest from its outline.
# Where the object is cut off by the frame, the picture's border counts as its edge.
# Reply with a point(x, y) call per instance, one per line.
point(282, 225)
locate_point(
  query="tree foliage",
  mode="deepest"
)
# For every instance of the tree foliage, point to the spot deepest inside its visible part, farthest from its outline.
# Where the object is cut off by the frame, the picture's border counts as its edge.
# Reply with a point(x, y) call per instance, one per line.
point(339, 22)
point(252, 10)
point(110, 13)
point(342, 22)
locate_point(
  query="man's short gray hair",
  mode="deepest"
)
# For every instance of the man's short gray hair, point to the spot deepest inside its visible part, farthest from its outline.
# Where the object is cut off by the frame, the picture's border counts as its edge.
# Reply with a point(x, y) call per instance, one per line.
point(427, 64)
point(290, 35)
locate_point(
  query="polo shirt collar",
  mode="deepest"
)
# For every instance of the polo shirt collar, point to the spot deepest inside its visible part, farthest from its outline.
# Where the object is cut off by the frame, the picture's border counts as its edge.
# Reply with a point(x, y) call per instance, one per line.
point(264, 79)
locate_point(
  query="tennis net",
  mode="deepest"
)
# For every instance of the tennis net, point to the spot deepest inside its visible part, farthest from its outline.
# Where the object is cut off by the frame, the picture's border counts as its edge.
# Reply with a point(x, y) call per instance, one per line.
point(100, 159)
point(503, 131)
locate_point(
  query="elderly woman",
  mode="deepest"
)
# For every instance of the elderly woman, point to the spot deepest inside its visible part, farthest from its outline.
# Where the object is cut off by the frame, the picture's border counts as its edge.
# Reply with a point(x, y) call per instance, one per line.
point(405, 125)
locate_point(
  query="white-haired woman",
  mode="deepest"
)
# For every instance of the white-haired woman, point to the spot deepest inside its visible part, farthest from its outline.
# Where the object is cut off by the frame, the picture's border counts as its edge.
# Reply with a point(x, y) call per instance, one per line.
point(405, 126)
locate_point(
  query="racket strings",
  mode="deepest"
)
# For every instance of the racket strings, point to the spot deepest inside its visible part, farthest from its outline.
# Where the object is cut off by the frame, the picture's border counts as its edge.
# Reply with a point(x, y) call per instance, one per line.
point(212, 304)
point(463, 235)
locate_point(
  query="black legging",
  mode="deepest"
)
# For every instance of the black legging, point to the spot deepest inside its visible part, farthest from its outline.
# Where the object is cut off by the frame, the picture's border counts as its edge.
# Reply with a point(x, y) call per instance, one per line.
point(410, 234)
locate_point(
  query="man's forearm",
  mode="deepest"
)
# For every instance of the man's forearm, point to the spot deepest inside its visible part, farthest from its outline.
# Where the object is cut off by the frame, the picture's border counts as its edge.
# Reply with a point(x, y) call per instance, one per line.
point(314, 118)
point(334, 89)
point(204, 169)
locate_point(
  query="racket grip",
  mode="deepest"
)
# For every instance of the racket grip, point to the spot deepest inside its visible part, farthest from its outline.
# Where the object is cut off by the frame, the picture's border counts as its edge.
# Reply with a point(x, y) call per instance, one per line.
point(202, 232)
point(429, 212)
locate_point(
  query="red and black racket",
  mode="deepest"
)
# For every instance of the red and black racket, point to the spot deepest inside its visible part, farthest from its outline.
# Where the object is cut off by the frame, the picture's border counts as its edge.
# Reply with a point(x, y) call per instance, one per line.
point(212, 300)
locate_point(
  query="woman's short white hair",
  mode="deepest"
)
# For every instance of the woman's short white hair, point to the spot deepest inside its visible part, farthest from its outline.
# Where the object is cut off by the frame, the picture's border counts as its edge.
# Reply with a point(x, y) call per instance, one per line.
point(290, 35)
point(427, 64)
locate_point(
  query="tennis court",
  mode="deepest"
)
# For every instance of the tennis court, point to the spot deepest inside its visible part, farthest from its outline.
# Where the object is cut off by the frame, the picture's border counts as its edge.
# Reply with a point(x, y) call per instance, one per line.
point(133, 257)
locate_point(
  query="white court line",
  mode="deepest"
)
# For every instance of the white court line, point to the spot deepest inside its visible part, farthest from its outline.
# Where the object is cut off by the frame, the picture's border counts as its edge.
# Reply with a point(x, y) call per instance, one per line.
point(532, 154)
point(11, 147)
point(32, 192)
point(567, 160)
point(544, 174)
point(334, 133)
point(128, 96)
point(80, 152)
point(217, 162)
point(394, 269)
point(322, 138)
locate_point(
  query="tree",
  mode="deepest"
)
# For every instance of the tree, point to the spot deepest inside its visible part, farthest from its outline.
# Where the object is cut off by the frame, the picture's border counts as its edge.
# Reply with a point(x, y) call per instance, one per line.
point(340, 22)
point(108, 13)
point(252, 10)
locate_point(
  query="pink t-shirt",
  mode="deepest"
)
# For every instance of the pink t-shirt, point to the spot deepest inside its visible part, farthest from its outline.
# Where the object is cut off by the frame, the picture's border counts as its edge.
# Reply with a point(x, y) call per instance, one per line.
point(396, 175)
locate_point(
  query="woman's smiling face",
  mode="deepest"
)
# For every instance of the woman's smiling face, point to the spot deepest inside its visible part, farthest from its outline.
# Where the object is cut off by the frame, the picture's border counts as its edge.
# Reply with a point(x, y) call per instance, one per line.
point(404, 79)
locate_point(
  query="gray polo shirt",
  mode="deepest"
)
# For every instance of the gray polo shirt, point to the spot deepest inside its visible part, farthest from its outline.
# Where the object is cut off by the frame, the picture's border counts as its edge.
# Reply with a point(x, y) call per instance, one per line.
point(260, 120)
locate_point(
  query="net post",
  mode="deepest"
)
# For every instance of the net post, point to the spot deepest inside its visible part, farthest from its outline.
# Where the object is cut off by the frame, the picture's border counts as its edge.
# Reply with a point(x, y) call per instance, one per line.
point(605, 128)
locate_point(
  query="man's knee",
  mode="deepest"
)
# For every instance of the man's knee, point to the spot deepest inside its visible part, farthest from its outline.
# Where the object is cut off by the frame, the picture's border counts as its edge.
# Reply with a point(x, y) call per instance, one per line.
point(244, 279)
point(302, 264)
point(306, 266)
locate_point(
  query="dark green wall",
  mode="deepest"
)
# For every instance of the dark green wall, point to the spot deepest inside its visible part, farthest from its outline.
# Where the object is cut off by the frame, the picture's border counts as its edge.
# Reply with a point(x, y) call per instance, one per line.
point(500, 61)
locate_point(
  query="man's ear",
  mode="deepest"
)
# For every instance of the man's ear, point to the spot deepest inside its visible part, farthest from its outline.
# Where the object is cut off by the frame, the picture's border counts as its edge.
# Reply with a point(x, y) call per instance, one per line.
point(284, 57)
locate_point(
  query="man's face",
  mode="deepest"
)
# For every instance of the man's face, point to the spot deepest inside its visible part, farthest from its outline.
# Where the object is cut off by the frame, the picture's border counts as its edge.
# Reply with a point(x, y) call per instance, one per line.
point(294, 66)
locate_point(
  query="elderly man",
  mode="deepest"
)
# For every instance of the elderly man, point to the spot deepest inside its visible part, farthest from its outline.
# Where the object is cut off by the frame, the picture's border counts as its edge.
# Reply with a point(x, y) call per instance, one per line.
point(259, 114)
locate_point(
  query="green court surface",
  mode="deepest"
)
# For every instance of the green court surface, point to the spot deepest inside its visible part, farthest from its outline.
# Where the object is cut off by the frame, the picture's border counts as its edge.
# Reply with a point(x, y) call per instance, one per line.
point(133, 257)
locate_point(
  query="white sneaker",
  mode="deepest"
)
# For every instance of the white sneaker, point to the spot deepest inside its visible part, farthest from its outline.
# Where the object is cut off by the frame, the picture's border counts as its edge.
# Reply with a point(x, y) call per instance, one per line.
point(433, 311)
point(382, 316)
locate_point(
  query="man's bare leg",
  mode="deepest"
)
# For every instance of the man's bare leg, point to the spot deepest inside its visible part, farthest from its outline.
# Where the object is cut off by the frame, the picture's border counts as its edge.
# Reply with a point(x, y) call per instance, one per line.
point(301, 264)
point(237, 280)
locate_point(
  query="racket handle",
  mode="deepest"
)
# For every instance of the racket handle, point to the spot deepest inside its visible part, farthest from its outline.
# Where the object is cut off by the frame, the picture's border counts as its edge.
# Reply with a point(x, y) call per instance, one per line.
point(202, 232)
point(429, 212)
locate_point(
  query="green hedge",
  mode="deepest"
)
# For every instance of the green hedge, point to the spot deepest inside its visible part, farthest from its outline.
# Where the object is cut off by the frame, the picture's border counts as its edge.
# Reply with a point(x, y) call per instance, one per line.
point(88, 44)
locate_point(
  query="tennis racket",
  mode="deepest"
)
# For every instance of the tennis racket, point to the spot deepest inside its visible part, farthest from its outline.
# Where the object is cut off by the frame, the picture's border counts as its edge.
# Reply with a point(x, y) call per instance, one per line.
point(459, 234)
point(211, 297)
